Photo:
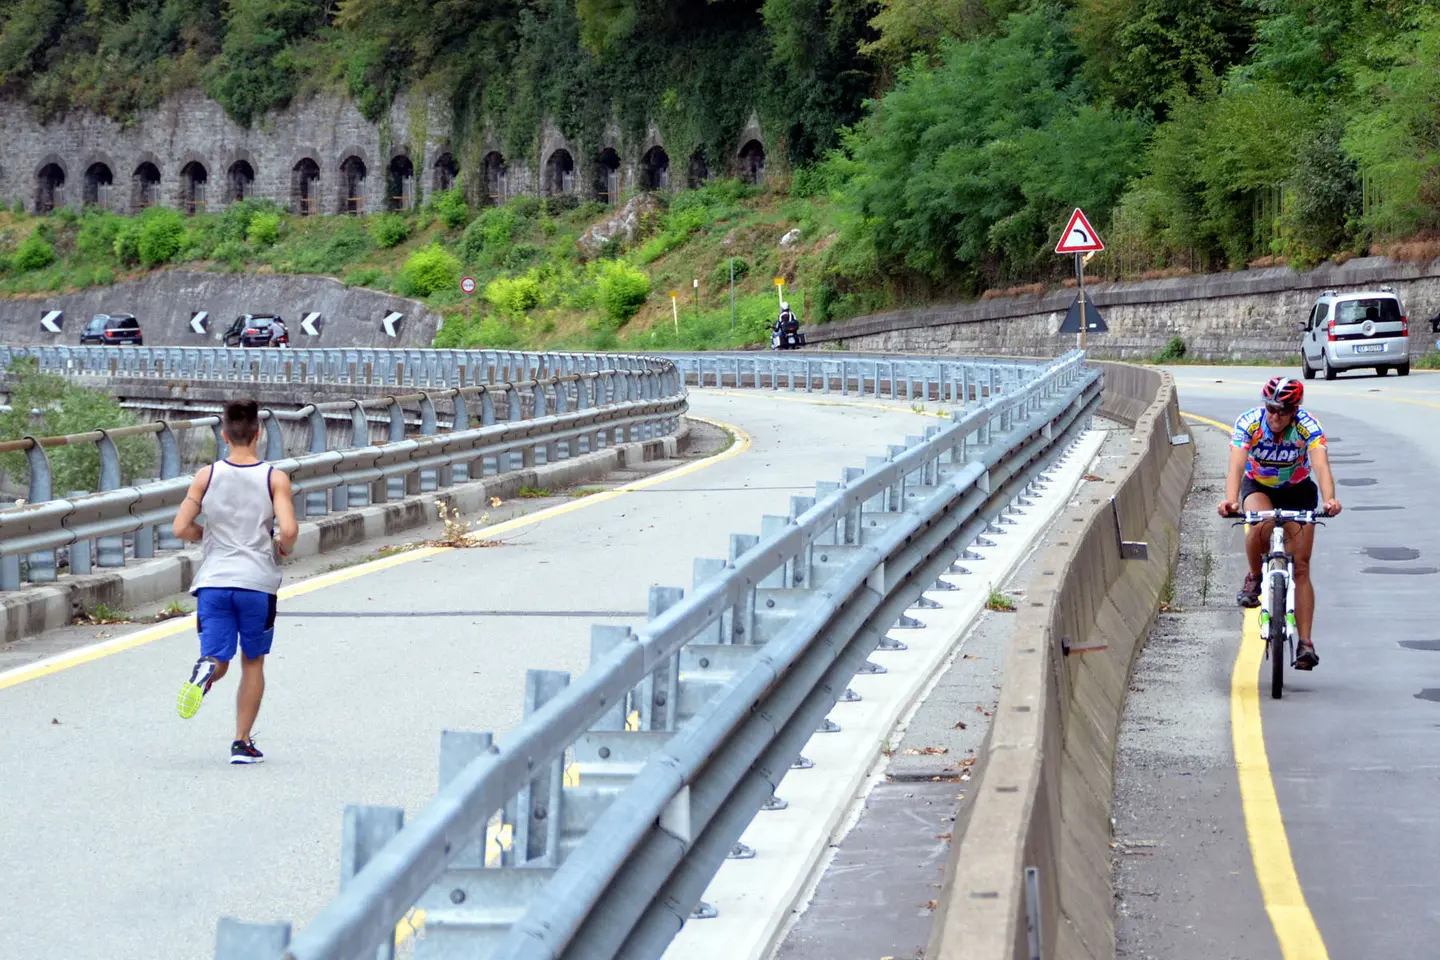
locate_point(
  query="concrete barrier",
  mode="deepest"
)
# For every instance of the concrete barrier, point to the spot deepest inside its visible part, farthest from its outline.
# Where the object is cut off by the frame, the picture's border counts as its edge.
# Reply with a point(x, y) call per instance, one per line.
point(1042, 806)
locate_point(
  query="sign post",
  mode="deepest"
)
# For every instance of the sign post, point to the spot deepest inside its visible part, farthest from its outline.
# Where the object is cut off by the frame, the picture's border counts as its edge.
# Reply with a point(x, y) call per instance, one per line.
point(675, 312)
point(779, 289)
point(696, 282)
point(1081, 240)
point(732, 293)
point(467, 287)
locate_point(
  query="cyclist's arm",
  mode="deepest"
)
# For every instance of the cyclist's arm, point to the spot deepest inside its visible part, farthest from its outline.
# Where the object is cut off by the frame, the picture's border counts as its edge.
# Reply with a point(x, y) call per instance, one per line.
point(1320, 460)
point(1233, 477)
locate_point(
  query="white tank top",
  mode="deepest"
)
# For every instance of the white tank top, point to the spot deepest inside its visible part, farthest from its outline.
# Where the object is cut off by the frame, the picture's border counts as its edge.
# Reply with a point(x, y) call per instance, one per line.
point(238, 550)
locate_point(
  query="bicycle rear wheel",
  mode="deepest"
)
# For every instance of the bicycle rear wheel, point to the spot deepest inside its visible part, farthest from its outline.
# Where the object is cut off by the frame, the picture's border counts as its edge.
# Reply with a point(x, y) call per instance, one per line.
point(1279, 630)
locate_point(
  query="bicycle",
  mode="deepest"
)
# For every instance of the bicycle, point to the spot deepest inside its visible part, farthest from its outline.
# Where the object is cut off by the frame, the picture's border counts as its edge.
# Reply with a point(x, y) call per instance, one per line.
point(1277, 589)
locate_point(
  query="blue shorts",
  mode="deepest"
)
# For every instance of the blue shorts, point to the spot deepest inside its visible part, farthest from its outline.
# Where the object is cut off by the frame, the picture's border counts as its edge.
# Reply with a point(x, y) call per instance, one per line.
point(223, 615)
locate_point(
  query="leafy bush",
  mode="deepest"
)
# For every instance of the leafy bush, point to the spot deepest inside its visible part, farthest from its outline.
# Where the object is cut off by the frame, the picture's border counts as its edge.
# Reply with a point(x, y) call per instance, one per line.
point(1174, 351)
point(34, 253)
point(451, 208)
point(430, 269)
point(264, 229)
point(232, 253)
point(162, 233)
point(513, 296)
point(98, 230)
point(363, 277)
point(127, 243)
point(720, 276)
point(489, 235)
point(560, 203)
point(622, 289)
point(525, 207)
point(389, 230)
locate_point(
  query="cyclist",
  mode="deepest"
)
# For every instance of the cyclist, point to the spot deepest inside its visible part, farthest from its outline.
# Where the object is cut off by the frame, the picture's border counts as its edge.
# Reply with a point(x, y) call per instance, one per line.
point(1273, 451)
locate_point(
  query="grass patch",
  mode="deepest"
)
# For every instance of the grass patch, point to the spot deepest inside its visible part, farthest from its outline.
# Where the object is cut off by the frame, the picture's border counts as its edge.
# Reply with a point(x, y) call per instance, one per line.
point(534, 493)
point(1167, 596)
point(1000, 602)
point(1430, 361)
point(586, 492)
point(173, 611)
point(102, 613)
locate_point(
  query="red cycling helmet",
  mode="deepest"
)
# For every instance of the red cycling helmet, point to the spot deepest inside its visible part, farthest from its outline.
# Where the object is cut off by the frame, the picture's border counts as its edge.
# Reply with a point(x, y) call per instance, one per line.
point(1283, 394)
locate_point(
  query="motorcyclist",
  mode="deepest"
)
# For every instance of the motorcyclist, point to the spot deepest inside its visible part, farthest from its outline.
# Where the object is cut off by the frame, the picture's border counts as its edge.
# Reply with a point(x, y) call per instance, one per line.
point(279, 337)
point(787, 328)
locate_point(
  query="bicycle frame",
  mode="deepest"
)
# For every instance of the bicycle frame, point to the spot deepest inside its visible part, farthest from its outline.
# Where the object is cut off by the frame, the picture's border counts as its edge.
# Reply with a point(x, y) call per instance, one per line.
point(1279, 560)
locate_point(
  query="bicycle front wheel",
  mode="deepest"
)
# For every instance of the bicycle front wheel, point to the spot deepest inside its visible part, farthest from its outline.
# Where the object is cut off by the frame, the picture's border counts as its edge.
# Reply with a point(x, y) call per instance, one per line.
point(1278, 632)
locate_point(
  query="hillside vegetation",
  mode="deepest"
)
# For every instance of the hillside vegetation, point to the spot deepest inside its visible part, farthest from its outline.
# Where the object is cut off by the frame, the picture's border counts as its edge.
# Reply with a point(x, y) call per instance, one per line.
point(934, 147)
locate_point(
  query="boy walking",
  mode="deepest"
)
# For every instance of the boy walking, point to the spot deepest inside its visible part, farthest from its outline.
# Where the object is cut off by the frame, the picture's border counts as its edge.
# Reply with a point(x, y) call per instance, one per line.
point(243, 499)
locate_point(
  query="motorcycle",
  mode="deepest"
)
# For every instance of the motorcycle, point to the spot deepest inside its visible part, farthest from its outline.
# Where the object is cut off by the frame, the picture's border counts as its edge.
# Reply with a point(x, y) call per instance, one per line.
point(786, 338)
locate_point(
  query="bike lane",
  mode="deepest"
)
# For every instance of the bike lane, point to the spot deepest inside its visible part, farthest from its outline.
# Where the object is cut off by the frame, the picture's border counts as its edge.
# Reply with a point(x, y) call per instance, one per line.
point(1346, 844)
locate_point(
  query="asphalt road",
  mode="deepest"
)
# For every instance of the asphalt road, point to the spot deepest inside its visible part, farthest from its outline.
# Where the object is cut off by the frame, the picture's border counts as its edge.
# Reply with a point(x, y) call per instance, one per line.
point(1352, 748)
point(126, 833)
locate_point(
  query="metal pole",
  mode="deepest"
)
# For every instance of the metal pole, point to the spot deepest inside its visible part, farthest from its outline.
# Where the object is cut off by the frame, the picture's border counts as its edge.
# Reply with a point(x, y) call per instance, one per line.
point(732, 293)
point(1080, 275)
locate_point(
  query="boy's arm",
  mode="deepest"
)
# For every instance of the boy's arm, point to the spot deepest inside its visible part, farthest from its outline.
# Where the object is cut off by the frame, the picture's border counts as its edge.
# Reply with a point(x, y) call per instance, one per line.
point(185, 526)
point(284, 510)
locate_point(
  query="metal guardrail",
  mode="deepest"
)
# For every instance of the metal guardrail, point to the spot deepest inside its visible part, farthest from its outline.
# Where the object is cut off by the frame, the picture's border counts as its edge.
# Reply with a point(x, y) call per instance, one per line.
point(544, 420)
point(681, 733)
point(939, 379)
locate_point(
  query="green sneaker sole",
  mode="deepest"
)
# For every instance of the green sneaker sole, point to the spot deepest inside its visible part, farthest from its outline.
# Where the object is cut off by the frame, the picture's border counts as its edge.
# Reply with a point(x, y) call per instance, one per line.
point(190, 699)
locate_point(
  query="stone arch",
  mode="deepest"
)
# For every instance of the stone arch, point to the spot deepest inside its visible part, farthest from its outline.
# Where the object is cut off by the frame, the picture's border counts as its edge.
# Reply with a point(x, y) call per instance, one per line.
point(446, 170)
point(50, 176)
point(655, 169)
point(698, 169)
point(607, 176)
point(99, 182)
point(239, 181)
point(751, 162)
point(559, 176)
point(353, 172)
point(305, 185)
point(194, 183)
point(496, 176)
point(400, 182)
point(145, 182)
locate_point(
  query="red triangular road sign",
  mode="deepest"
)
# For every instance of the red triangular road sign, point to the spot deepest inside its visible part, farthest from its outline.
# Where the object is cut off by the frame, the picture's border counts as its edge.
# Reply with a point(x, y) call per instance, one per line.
point(1079, 236)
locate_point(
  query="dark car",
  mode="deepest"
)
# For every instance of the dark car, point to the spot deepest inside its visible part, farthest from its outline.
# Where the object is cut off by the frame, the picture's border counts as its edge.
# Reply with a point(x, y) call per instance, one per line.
point(252, 330)
point(112, 328)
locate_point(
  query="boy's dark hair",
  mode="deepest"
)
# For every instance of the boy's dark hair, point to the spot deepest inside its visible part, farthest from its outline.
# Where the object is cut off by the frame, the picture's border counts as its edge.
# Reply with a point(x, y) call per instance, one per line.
point(241, 422)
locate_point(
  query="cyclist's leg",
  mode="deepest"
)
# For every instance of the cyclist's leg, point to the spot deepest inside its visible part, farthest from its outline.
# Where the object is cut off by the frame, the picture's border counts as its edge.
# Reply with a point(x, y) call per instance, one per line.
point(1302, 543)
point(1257, 541)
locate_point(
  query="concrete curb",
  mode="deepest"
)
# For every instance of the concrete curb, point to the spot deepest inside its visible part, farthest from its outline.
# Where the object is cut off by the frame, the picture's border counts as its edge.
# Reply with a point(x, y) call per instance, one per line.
point(1047, 773)
point(36, 609)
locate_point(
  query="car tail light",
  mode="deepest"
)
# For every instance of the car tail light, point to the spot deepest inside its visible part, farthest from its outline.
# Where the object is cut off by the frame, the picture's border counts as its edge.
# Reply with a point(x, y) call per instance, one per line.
point(251, 331)
point(1330, 329)
point(1404, 326)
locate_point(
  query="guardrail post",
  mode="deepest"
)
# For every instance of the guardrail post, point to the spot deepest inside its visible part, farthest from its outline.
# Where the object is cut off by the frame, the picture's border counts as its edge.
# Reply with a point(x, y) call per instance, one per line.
point(659, 694)
point(316, 501)
point(246, 941)
point(41, 489)
point(460, 471)
point(274, 436)
point(110, 551)
point(429, 479)
point(365, 832)
point(536, 814)
point(145, 536)
point(169, 470)
point(542, 409)
point(80, 550)
point(395, 486)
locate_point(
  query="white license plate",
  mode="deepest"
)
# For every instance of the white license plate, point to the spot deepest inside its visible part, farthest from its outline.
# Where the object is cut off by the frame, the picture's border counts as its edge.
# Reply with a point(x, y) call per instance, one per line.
point(1370, 348)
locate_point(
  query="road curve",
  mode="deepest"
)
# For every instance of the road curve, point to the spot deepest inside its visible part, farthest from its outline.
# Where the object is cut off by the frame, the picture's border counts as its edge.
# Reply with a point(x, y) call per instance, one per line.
point(127, 834)
point(1351, 750)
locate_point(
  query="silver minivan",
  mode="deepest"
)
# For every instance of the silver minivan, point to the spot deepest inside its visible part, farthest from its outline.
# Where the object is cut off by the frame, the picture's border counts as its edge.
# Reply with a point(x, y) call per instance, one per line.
point(1350, 330)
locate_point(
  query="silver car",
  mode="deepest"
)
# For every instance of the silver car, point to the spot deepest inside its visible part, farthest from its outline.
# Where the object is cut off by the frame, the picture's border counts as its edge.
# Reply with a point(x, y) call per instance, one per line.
point(1350, 330)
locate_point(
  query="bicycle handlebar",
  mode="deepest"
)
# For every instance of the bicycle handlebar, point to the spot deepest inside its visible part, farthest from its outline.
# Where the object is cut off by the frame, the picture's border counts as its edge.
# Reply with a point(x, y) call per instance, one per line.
point(1283, 516)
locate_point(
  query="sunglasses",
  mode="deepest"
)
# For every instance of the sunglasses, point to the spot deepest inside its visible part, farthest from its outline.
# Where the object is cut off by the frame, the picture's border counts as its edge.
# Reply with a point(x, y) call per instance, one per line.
point(1278, 408)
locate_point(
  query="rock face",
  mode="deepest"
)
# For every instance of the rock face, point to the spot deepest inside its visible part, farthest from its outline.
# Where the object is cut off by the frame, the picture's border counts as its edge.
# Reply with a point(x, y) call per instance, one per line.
point(625, 224)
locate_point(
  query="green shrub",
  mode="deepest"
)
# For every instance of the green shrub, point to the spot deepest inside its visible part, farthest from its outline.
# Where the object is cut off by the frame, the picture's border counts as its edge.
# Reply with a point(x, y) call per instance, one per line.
point(561, 203)
point(162, 233)
point(232, 253)
point(1174, 351)
point(104, 276)
point(96, 239)
point(513, 296)
point(489, 235)
point(364, 277)
point(263, 230)
point(622, 291)
point(451, 208)
point(68, 408)
point(720, 276)
point(430, 269)
point(389, 230)
point(525, 207)
point(34, 253)
point(18, 207)
point(127, 243)
point(520, 256)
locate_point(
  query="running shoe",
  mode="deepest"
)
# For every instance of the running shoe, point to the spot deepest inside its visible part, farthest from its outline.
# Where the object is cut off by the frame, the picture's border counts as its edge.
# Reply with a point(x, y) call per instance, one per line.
point(192, 693)
point(1305, 656)
point(1249, 595)
point(243, 751)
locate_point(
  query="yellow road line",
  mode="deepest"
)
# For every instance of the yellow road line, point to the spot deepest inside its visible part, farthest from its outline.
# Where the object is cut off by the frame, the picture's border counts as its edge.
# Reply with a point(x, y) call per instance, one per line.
point(170, 628)
point(1270, 848)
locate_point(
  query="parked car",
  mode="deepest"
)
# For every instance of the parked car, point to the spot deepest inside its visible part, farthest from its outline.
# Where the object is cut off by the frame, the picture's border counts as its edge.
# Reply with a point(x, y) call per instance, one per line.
point(1346, 331)
point(251, 330)
point(112, 328)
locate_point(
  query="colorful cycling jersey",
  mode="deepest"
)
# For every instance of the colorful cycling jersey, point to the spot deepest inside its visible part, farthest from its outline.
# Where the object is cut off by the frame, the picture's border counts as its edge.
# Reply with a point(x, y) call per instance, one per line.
point(1277, 461)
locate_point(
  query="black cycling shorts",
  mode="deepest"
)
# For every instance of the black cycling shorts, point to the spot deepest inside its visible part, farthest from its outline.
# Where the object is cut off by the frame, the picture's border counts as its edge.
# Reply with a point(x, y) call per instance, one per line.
point(1297, 496)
